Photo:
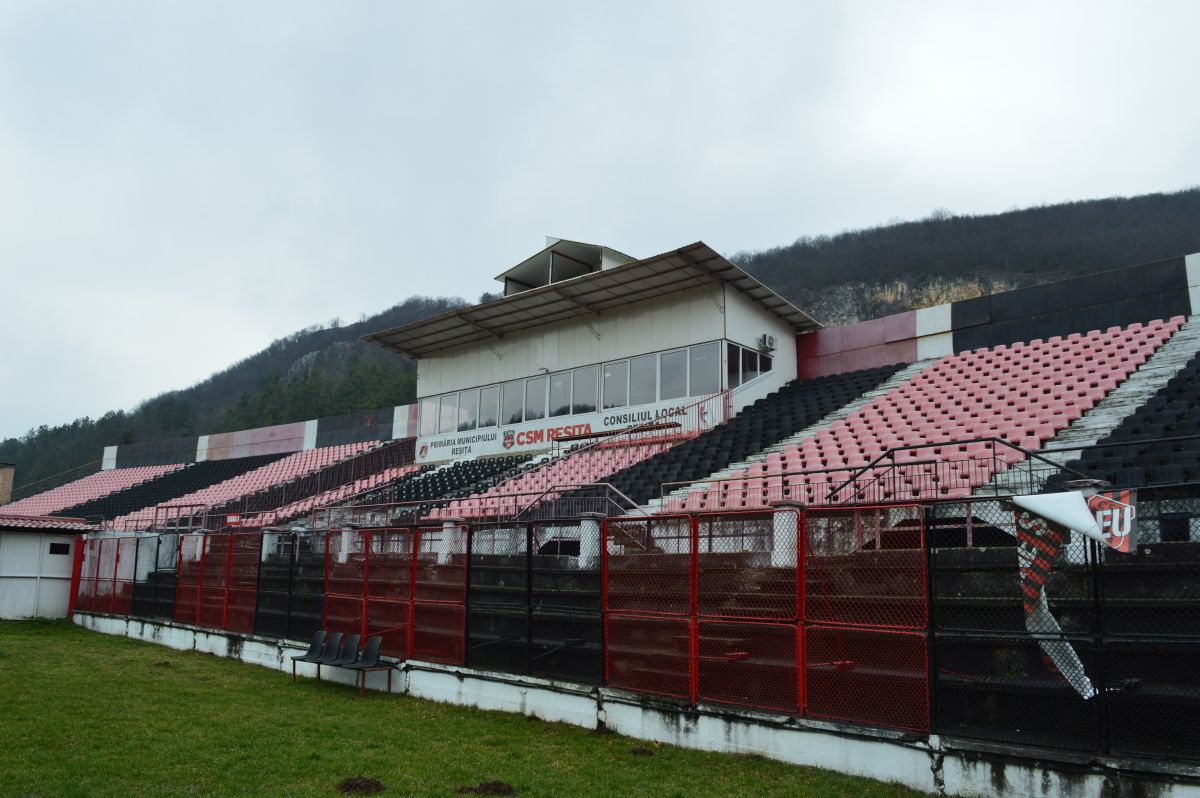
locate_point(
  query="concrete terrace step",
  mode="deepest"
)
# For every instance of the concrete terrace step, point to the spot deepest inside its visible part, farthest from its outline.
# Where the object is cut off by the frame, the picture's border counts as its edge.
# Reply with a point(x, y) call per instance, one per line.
point(899, 378)
point(1110, 411)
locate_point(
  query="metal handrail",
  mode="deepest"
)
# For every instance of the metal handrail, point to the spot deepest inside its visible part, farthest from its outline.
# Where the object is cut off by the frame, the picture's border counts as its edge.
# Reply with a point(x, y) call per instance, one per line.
point(891, 453)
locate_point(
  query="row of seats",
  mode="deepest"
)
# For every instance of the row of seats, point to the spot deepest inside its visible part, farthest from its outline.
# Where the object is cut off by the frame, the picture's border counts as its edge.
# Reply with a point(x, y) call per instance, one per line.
point(1135, 455)
point(1025, 393)
point(169, 486)
point(349, 471)
point(272, 473)
point(585, 466)
point(783, 413)
point(336, 495)
point(86, 489)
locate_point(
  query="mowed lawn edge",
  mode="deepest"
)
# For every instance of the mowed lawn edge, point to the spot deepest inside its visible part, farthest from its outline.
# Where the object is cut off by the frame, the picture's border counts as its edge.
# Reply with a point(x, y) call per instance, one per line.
point(87, 714)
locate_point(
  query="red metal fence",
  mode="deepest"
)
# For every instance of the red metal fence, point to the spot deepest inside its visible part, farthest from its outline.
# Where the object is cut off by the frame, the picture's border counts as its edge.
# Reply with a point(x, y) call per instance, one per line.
point(217, 583)
point(717, 609)
point(106, 575)
point(407, 586)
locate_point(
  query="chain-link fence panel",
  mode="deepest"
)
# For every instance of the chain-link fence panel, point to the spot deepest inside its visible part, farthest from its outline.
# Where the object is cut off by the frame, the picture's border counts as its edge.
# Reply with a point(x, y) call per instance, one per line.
point(1154, 591)
point(345, 581)
point(105, 574)
point(1009, 689)
point(242, 582)
point(878, 677)
point(566, 632)
point(649, 565)
point(273, 599)
point(749, 664)
point(440, 595)
point(991, 576)
point(214, 581)
point(389, 588)
point(123, 575)
point(86, 598)
point(747, 565)
point(866, 567)
point(1153, 698)
point(142, 599)
point(498, 601)
point(187, 586)
point(650, 654)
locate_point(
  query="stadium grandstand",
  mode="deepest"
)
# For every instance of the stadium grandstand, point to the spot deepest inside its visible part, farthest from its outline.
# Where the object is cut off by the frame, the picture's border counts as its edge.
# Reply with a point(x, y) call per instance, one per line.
point(945, 547)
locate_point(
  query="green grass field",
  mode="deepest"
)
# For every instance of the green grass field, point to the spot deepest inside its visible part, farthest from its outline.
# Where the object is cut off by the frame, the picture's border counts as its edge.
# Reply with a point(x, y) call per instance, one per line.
point(86, 714)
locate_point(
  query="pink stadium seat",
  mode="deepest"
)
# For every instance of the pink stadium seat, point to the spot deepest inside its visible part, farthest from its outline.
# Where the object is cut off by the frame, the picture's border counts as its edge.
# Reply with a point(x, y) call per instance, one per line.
point(1025, 393)
point(586, 465)
point(277, 472)
point(91, 487)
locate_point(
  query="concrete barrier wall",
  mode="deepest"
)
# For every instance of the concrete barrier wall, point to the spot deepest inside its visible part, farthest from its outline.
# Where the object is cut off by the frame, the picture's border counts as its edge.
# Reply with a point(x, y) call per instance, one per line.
point(924, 762)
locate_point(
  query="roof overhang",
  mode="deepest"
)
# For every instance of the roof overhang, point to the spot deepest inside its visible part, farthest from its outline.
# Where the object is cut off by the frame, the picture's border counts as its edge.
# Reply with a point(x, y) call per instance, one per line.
point(44, 523)
point(671, 272)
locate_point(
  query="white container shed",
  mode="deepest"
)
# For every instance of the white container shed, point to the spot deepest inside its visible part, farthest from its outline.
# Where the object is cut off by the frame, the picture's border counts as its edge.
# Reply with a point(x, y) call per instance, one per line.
point(37, 554)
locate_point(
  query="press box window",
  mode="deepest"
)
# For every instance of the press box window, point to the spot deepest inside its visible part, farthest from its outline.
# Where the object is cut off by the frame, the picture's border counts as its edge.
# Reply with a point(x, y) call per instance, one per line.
point(583, 399)
point(535, 398)
point(448, 416)
point(616, 384)
point(468, 410)
point(733, 366)
point(704, 371)
point(512, 399)
point(429, 415)
point(560, 394)
point(643, 379)
point(673, 374)
point(488, 411)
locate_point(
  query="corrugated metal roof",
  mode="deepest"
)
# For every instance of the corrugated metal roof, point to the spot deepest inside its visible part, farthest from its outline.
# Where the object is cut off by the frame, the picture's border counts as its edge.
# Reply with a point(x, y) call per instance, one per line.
point(47, 523)
point(679, 270)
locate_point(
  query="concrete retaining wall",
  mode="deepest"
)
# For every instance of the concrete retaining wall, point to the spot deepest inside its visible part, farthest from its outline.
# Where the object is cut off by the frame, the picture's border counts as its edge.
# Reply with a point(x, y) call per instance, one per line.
point(926, 763)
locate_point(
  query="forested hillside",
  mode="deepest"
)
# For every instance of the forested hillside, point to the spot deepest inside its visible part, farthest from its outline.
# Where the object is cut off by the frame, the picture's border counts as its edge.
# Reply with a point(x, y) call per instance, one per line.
point(322, 371)
point(318, 371)
point(864, 274)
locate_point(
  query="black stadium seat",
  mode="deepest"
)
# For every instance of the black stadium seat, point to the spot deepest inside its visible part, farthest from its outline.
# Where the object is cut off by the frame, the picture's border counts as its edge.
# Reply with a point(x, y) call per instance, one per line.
point(1151, 446)
point(168, 486)
point(769, 420)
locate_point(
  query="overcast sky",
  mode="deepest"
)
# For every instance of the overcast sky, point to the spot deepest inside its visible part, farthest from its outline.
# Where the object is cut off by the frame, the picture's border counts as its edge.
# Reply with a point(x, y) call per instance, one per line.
point(181, 183)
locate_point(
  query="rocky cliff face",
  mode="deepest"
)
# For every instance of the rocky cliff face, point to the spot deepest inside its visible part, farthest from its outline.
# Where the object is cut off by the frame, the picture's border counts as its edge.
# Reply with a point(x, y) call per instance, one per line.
point(846, 303)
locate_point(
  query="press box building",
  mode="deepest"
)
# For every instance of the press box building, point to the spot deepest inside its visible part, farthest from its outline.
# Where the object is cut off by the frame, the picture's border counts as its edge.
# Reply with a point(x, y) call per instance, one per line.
point(587, 339)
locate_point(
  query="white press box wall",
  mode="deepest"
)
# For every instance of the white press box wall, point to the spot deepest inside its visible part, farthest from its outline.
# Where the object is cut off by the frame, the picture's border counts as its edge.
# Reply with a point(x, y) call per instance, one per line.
point(655, 324)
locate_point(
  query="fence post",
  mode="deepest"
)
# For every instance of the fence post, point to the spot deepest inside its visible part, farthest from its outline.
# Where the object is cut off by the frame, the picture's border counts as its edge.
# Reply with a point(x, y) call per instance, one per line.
point(367, 537)
point(76, 574)
point(1103, 733)
point(293, 545)
point(229, 541)
point(528, 596)
point(931, 668)
point(788, 522)
point(693, 609)
point(200, 578)
point(603, 596)
point(325, 582)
